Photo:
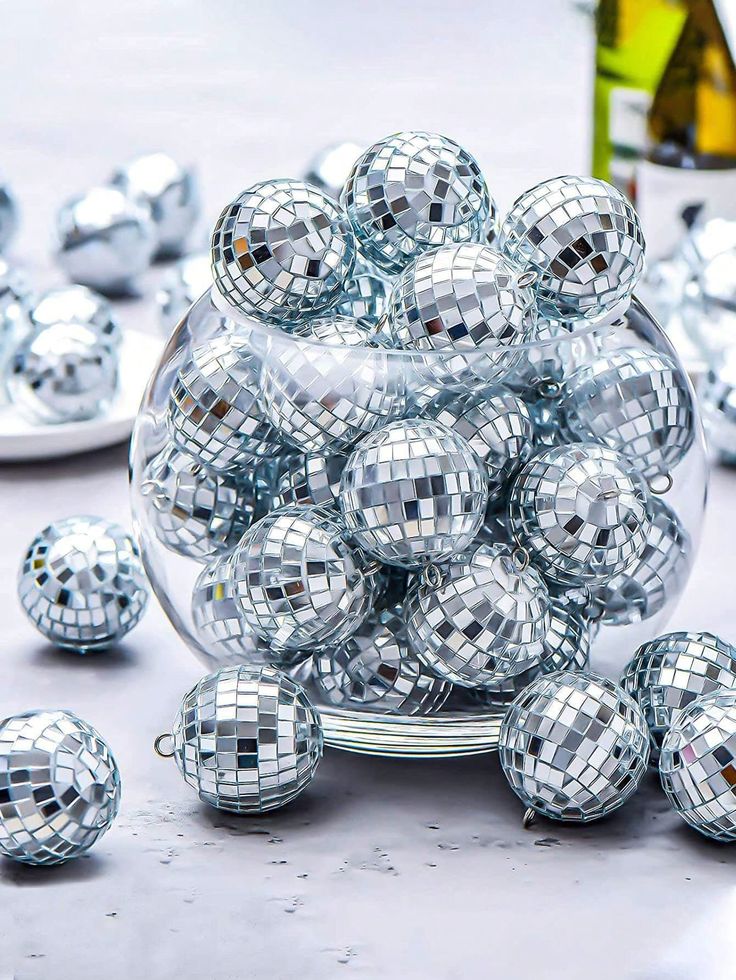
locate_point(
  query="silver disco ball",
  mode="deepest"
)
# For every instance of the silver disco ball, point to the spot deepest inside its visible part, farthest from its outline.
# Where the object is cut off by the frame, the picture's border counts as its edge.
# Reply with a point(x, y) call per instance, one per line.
point(365, 294)
point(300, 584)
point(59, 787)
point(698, 765)
point(583, 239)
point(331, 167)
point(669, 673)
point(479, 619)
point(170, 191)
point(82, 584)
point(581, 511)
point(191, 277)
point(77, 304)
point(574, 746)
point(324, 399)
point(15, 323)
point(214, 413)
point(195, 511)
point(247, 739)
point(376, 669)
point(566, 644)
point(282, 251)
point(105, 240)
point(413, 492)
point(63, 373)
point(414, 191)
point(8, 216)
point(717, 394)
point(635, 401)
point(309, 479)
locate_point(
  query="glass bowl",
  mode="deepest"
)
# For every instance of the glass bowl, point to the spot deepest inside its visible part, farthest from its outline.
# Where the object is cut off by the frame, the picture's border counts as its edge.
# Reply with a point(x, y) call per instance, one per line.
point(329, 396)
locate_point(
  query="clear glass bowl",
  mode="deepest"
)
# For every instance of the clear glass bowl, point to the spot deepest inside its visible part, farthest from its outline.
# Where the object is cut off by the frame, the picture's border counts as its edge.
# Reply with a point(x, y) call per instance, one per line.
point(462, 726)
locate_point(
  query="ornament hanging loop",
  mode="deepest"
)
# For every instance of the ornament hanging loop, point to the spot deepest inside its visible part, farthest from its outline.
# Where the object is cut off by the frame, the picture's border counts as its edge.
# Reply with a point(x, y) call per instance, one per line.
point(529, 818)
point(520, 558)
point(159, 743)
point(661, 484)
point(431, 576)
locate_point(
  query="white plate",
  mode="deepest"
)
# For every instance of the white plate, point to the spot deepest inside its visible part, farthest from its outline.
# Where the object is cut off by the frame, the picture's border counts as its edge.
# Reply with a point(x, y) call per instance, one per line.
point(20, 439)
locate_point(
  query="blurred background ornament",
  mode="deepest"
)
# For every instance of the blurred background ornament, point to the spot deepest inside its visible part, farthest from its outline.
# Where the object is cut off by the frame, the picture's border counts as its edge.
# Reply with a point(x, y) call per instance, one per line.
point(195, 511)
point(669, 673)
point(170, 191)
point(8, 216)
point(582, 237)
point(77, 304)
point(282, 251)
point(414, 191)
point(15, 323)
point(309, 479)
point(479, 619)
point(376, 669)
point(566, 644)
point(59, 787)
point(82, 584)
point(247, 739)
point(331, 167)
point(718, 403)
point(365, 294)
point(182, 285)
point(105, 240)
point(63, 373)
point(413, 492)
point(574, 746)
point(697, 766)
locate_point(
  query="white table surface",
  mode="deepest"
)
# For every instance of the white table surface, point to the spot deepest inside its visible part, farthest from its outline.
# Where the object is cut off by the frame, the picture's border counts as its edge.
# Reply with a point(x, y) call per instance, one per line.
point(383, 868)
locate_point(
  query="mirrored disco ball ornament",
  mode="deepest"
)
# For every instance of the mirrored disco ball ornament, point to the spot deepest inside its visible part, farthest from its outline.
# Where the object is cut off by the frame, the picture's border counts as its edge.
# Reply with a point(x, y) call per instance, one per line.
point(82, 584)
point(325, 398)
point(479, 619)
point(642, 589)
point(365, 294)
point(195, 511)
point(181, 287)
point(282, 251)
point(581, 511)
point(170, 191)
point(15, 323)
point(376, 669)
point(635, 401)
point(247, 739)
point(105, 240)
point(497, 427)
point(566, 644)
point(220, 626)
point(414, 191)
point(669, 673)
point(574, 746)
point(214, 414)
point(310, 479)
point(63, 373)
point(697, 767)
point(583, 238)
point(465, 298)
point(59, 787)
point(77, 304)
point(331, 167)
point(299, 582)
point(413, 492)
point(718, 404)
point(8, 215)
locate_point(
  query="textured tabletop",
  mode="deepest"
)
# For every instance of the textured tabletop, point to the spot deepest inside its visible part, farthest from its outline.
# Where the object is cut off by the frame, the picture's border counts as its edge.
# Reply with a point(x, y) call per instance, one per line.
point(383, 868)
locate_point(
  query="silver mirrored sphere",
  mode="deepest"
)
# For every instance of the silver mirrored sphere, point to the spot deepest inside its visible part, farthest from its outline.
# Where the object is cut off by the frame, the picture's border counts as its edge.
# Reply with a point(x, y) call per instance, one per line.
point(15, 322)
point(8, 215)
point(105, 240)
point(717, 394)
point(63, 373)
point(325, 398)
point(195, 511)
point(583, 238)
point(82, 584)
point(635, 401)
point(496, 425)
point(581, 511)
point(170, 191)
point(697, 766)
point(413, 492)
point(300, 583)
point(214, 412)
point(365, 294)
point(574, 746)
point(669, 673)
point(247, 739)
point(59, 787)
point(481, 619)
point(642, 589)
point(414, 191)
point(310, 479)
point(184, 284)
point(566, 644)
point(77, 304)
point(282, 251)
point(376, 669)
point(331, 167)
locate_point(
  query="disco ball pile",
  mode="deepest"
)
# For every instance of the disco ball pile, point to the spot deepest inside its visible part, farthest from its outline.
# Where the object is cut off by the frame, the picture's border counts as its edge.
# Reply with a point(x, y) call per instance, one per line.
point(420, 452)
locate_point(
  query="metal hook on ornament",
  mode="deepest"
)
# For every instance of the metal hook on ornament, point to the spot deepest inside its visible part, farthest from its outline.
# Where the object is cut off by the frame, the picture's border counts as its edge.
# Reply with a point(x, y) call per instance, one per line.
point(158, 743)
point(527, 278)
point(529, 818)
point(661, 483)
point(548, 388)
point(520, 559)
point(431, 576)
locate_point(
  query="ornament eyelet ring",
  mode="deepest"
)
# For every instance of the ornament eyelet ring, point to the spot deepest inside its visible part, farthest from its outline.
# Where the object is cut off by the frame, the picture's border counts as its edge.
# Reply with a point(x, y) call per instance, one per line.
point(527, 278)
point(432, 576)
point(549, 388)
point(529, 818)
point(661, 484)
point(520, 558)
point(158, 745)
